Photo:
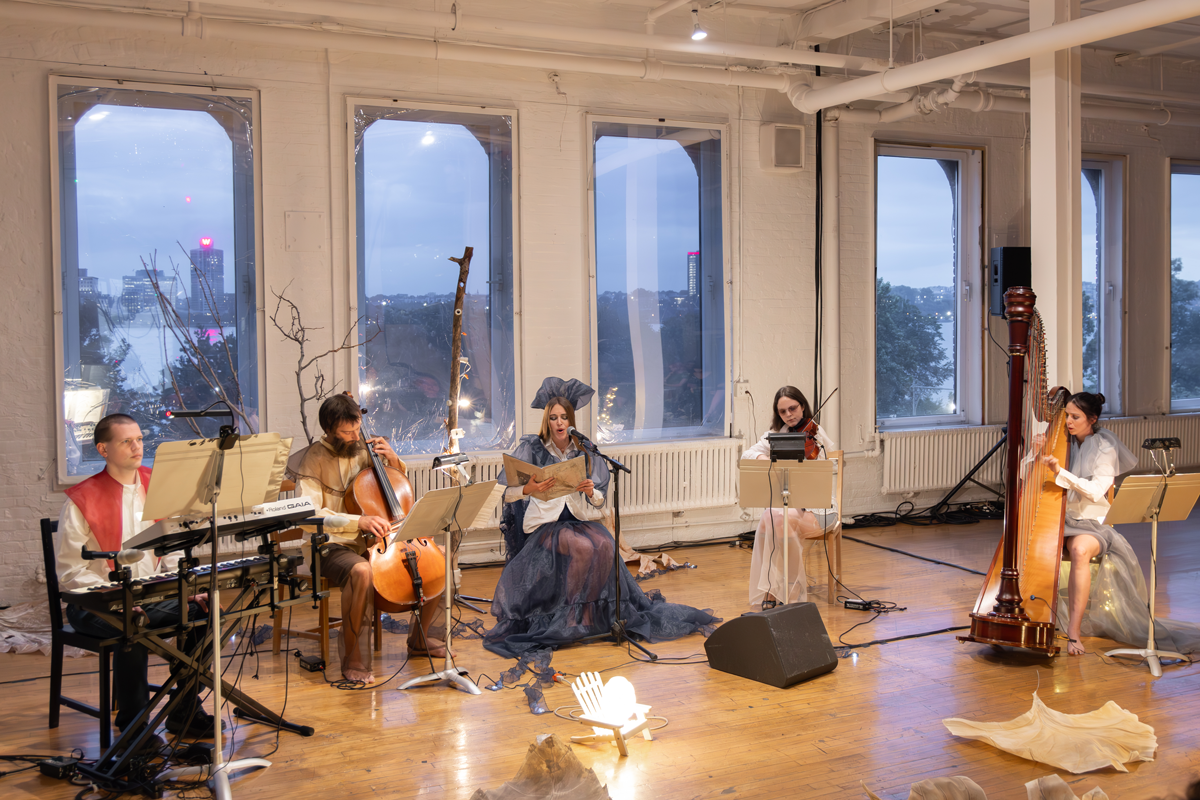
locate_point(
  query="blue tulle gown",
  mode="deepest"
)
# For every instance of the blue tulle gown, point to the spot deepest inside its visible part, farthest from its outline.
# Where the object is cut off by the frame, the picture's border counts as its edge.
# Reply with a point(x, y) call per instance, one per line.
point(557, 586)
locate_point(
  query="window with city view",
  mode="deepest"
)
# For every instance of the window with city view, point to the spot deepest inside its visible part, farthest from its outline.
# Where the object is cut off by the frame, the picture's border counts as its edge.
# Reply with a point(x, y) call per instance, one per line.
point(1185, 286)
point(429, 183)
point(155, 245)
point(660, 303)
point(921, 218)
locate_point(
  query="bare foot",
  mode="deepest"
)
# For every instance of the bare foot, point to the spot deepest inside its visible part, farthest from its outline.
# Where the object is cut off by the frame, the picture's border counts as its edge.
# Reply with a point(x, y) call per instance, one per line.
point(358, 673)
point(1075, 648)
point(437, 648)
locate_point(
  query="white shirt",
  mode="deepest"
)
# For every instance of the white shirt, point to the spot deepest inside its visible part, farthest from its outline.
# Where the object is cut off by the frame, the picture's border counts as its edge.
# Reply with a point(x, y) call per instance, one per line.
point(762, 448)
point(540, 512)
point(1088, 499)
point(74, 534)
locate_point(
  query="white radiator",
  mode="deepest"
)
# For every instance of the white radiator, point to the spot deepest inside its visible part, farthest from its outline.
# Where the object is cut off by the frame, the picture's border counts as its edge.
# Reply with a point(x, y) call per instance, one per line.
point(666, 476)
point(1135, 430)
point(917, 461)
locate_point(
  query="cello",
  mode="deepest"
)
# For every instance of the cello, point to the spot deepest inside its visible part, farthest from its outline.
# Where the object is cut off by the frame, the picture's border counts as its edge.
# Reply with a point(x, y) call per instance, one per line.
point(405, 573)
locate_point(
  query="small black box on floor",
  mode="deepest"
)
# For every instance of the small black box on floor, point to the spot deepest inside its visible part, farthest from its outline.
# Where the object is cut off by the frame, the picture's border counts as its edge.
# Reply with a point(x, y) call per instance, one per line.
point(781, 646)
point(1009, 267)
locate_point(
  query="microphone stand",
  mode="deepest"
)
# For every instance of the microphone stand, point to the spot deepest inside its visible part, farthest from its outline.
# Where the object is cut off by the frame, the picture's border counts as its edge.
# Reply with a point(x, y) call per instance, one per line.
point(617, 631)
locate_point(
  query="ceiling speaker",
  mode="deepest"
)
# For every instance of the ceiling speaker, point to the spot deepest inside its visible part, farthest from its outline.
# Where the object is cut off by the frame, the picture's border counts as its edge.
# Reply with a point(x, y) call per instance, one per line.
point(781, 147)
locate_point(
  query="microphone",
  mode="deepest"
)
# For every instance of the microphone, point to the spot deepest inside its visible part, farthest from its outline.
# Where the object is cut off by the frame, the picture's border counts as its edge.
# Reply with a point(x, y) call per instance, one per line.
point(183, 413)
point(582, 439)
point(122, 557)
point(333, 521)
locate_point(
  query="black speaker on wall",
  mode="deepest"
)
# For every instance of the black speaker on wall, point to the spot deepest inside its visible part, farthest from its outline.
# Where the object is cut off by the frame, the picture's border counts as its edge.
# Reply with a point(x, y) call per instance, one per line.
point(1009, 267)
point(781, 646)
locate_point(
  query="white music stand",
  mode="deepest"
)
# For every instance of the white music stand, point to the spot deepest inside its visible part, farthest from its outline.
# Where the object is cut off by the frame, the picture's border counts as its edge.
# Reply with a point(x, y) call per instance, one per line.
point(189, 478)
point(1152, 498)
point(437, 510)
point(775, 484)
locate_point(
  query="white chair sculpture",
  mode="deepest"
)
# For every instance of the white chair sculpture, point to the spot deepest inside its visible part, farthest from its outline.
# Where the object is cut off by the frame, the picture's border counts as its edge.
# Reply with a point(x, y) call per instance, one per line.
point(611, 709)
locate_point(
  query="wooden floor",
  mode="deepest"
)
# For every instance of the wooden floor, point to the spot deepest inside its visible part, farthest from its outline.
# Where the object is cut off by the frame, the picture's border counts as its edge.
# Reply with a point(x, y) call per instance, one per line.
point(876, 718)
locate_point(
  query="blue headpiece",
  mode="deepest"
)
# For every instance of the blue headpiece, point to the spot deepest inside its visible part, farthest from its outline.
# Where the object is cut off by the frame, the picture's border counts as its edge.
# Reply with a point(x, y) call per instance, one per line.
point(576, 391)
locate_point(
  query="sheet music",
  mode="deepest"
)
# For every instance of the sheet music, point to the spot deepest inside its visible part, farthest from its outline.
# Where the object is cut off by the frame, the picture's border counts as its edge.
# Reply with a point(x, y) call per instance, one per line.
point(567, 475)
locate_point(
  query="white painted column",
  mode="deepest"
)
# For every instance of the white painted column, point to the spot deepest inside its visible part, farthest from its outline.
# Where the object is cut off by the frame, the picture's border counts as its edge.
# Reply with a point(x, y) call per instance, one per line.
point(1054, 89)
point(831, 284)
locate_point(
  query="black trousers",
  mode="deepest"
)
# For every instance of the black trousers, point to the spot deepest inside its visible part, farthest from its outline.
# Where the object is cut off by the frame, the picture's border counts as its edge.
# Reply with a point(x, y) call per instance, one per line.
point(131, 688)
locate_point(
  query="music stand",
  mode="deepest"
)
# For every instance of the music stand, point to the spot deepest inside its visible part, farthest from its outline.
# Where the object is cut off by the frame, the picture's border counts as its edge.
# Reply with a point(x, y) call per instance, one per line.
point(1152, 498)
point(464, 507)
point(773, 484)
point(188, 478)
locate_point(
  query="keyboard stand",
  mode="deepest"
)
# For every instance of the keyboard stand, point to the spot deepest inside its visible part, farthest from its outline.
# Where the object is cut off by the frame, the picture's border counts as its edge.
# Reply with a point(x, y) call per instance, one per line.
point(113, 766)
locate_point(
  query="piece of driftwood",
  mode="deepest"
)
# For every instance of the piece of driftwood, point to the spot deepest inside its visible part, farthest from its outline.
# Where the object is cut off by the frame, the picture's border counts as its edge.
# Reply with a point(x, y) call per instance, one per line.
point(551, 771)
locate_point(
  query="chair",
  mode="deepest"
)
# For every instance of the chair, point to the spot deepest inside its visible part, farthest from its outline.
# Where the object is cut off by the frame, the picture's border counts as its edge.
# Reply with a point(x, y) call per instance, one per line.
point(62, 635)
point(833, 538)
point(325, 623)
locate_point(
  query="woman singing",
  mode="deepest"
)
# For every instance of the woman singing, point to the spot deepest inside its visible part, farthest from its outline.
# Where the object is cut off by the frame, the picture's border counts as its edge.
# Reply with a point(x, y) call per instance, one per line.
point(557, 586)
point(1095, 459)
point(791, 413)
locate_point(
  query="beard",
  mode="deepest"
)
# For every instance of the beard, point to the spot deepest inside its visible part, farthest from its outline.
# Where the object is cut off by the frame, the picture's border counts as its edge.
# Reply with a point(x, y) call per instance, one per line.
point(347, 449)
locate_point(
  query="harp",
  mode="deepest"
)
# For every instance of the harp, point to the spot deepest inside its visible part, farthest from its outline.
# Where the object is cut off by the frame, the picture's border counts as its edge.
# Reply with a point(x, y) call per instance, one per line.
point(1016, 606)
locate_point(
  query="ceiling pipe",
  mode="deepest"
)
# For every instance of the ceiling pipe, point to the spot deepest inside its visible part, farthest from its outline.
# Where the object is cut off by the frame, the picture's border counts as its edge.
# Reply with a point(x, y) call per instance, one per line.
point(1074, 33)
point(1153, 51)
point(647, 69)
point(460, 23)
point(1017, 76)
point(981, 100)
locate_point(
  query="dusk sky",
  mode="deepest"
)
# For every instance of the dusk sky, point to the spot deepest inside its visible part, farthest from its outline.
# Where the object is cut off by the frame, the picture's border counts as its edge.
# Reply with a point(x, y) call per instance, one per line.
point(1185, 223)
point(148, 178)
point(913, 217)
point(426, 197)
point(677, 209)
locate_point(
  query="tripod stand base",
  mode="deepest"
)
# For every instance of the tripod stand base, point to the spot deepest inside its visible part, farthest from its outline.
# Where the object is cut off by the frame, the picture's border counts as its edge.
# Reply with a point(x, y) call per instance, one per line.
point(1152, 657)
point(454, 676)
point(218, 775)
point(463, 600)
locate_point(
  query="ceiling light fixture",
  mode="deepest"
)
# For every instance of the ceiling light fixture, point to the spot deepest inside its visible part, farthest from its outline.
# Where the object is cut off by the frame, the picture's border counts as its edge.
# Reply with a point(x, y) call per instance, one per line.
point(698, 33)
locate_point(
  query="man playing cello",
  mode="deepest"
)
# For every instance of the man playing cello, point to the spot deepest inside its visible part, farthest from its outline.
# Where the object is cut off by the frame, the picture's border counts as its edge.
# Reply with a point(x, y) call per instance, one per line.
point(324, 472)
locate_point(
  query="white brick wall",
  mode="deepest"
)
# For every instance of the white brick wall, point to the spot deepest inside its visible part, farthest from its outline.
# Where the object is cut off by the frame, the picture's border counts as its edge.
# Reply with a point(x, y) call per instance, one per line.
point(303, 162)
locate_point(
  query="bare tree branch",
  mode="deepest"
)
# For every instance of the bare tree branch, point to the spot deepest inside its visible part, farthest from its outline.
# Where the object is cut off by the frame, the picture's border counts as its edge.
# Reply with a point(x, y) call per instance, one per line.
point(294, 330)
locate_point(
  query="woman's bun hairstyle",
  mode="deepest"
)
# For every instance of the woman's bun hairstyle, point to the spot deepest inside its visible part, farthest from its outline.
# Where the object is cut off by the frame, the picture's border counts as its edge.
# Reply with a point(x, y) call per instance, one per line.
point(1090, 404)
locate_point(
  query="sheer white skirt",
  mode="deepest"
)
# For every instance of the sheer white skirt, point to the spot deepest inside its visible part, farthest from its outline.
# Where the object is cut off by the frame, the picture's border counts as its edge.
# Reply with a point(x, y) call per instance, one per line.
point(806, 553)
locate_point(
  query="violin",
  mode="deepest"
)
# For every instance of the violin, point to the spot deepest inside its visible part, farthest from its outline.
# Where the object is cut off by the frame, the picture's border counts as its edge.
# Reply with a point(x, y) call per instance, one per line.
point(812, 449)
point(405, 573)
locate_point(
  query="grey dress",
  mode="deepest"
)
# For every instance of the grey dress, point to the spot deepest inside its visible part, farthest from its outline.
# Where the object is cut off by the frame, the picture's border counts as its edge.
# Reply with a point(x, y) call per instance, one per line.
point(1118, 606)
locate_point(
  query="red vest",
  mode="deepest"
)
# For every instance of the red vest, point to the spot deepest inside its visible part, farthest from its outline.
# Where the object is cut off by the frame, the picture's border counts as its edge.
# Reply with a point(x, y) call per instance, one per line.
point(99, 500)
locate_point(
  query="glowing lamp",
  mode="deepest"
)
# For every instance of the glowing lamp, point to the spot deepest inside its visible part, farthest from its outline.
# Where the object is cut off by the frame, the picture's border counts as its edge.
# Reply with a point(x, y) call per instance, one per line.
point(698, 33)
point(206, 242)
point(611, 709)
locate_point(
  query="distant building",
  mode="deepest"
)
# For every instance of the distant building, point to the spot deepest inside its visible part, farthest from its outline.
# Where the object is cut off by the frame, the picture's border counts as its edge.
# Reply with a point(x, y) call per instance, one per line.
point(89, 288)
point(137, 293)
point(693, 288)
point(208, 281)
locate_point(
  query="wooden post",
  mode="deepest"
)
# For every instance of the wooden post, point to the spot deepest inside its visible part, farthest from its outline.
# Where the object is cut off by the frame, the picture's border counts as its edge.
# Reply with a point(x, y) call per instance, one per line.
point(464, 266)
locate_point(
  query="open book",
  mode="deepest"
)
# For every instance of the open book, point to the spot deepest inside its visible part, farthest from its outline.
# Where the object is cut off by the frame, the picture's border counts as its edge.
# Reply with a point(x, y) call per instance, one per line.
point(567, 475)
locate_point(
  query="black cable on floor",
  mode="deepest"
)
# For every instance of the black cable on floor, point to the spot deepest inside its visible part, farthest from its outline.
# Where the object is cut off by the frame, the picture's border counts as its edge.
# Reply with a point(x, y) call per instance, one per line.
point(913, 555)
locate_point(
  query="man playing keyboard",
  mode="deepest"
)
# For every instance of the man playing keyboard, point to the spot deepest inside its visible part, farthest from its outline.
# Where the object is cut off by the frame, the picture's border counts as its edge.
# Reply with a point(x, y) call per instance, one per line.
point(101, 513)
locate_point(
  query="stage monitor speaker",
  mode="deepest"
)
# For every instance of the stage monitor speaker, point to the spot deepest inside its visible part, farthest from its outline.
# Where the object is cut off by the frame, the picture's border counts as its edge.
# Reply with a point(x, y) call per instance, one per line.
point(781, 646)
point(1009, 268)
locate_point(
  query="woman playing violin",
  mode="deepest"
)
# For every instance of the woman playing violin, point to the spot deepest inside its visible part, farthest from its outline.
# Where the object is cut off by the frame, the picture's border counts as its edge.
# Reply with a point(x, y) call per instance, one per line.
point(791, 413)
point(323, 472)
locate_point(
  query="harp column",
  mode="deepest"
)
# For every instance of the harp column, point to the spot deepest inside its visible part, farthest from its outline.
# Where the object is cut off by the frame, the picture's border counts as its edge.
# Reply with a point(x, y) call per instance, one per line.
point(1054, 196)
